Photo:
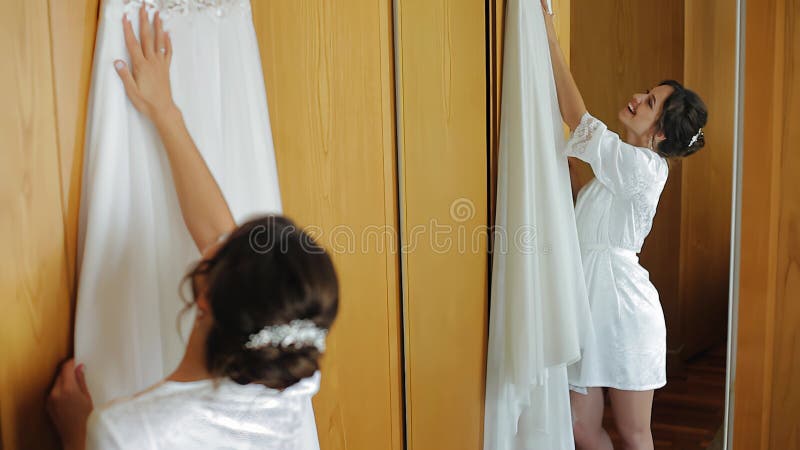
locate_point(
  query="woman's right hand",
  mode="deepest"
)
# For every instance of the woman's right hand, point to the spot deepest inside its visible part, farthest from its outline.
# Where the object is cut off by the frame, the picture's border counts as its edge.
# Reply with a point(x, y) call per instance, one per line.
point(548, 22)
point(147, 82)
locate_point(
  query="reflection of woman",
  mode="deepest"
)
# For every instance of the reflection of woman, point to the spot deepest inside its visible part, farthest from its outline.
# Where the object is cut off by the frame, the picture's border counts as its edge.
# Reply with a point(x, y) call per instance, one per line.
point(614, 214)
point(265, 295)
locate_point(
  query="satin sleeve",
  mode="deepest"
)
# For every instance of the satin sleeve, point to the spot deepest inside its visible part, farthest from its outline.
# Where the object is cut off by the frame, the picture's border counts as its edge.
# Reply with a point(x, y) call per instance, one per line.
point(623, 168)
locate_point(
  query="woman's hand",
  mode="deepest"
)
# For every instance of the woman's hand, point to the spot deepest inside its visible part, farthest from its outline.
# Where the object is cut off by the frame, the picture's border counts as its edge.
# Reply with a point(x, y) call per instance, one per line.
point(69, 405)
point(203, 206)
point(147, 82)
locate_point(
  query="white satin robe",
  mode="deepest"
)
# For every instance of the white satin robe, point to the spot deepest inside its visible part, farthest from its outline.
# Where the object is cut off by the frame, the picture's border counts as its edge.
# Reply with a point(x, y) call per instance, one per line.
point(614, 215)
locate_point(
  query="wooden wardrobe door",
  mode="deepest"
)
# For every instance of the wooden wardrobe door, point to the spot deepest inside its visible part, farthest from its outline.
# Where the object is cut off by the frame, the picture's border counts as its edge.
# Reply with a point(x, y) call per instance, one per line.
point(329, 74)
point(47, 50)
point(767, 401)
point(442, 136)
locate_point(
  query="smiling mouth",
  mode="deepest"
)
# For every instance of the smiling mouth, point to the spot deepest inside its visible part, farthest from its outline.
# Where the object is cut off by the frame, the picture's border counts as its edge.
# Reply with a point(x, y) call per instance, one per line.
point(631, 109)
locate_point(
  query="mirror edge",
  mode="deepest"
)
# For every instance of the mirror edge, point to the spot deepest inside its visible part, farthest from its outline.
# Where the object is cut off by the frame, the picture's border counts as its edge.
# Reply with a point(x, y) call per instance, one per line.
point(735, 248)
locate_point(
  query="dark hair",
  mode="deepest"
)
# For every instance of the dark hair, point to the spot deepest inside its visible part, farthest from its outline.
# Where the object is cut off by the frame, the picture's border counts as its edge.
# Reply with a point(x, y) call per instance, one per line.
point(683, 115)
point(267, 272)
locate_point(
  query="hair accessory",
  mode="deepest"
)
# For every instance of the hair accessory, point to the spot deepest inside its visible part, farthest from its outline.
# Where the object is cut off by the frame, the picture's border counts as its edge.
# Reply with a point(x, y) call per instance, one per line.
point(696, 137)
point(297, 332)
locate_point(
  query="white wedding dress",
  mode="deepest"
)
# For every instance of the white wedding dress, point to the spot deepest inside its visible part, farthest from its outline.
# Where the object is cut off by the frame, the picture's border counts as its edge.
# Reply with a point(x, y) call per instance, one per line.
point(134, 247)
point(539, 315)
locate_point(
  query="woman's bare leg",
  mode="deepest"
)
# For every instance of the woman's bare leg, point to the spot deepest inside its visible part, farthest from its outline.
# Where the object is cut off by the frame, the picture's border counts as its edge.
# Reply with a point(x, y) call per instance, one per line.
point(632, 410)
point(587, 420)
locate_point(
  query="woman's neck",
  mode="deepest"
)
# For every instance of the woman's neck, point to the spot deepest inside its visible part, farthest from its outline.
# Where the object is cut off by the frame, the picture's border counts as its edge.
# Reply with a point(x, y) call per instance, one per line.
point(193, 366)
point(636, 140)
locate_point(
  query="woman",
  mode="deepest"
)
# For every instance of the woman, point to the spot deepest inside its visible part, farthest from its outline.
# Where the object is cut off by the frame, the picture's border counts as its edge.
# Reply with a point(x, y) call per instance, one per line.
point(265, 296)
point(614, 214)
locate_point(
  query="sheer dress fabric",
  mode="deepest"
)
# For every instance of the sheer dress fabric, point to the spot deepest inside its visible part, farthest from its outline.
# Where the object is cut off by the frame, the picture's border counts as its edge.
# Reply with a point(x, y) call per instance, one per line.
point(133, 246)
point(539, 313)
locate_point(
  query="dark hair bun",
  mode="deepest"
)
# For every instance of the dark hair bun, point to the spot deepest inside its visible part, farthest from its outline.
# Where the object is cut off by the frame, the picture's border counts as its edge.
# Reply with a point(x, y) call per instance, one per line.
point(277, 368)
point(681, 121)
point(268, 272)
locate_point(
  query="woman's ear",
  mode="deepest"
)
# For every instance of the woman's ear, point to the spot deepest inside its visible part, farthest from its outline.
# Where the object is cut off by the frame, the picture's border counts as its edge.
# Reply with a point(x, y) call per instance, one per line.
point(204, 308)
point(660, 136)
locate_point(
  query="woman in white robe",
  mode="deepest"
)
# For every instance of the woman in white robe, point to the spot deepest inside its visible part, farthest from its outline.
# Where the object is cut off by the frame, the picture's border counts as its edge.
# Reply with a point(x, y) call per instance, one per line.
point(265, 295)
point(614, 214)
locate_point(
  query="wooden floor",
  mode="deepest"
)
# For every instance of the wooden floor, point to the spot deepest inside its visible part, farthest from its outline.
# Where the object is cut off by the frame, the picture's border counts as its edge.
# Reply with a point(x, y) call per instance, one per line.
point(688, 411)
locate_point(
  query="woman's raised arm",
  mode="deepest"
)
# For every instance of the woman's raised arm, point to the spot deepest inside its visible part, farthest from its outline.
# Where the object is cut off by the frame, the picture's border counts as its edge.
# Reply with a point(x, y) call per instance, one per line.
point(203, 206)
point(569, 98)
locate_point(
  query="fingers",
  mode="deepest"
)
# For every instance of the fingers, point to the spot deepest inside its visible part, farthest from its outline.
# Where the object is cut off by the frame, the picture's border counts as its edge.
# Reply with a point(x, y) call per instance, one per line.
point(168, 45)
point(160, 36)
point(65, 372)
point(145, 32)
point(132, 44)
point(80, 376)
point(130, 84)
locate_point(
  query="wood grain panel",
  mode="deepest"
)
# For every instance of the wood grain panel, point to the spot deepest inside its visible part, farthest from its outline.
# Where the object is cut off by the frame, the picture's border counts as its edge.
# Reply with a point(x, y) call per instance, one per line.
point(442, 134)
point(73, 26)
point(785, 410)
point(764, 28)
point(707, 176)
point(35, 324)
point(620, 47)
point(328, 71)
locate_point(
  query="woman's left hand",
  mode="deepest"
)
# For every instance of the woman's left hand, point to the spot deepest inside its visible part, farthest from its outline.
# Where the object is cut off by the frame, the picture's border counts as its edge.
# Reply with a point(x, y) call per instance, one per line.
point(544, 7)
point(548, 21)
point(69, 405)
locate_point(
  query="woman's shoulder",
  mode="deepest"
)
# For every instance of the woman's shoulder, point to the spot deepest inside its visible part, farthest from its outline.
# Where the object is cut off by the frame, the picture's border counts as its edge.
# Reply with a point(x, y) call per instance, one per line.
point(125, 406)
point(164, 395)
point(589, 127)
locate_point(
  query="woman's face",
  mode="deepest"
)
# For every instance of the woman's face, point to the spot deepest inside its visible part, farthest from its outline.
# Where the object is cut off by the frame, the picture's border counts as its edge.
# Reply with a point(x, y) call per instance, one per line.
point(640, 115)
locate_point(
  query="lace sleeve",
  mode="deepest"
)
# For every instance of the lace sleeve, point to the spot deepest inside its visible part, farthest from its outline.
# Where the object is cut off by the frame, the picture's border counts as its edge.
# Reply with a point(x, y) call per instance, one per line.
point(584, 134)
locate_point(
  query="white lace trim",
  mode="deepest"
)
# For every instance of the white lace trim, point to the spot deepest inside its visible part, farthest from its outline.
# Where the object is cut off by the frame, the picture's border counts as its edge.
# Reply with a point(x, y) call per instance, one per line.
point(584, 133)
point(218, 8)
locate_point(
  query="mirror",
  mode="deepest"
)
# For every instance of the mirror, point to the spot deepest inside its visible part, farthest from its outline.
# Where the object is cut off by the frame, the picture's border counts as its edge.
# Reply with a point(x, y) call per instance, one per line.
point(619, 48)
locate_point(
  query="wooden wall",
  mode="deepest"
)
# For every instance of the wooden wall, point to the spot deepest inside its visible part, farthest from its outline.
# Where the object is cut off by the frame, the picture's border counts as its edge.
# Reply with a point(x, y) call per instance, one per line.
point(785, 409)
point(710, 70)
point(43, 84)
point(329, 74)
point(767, 400)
